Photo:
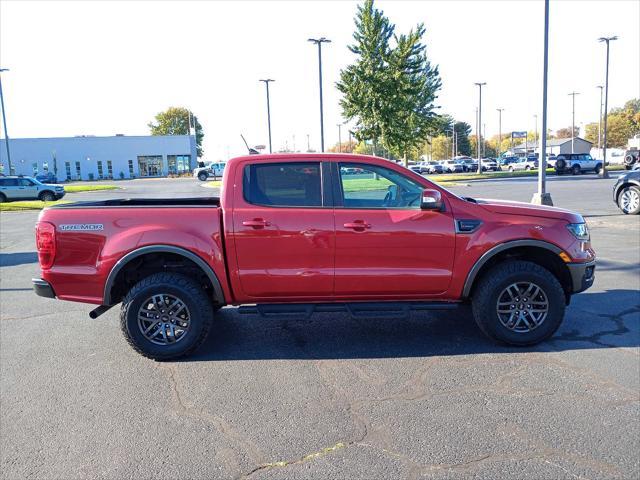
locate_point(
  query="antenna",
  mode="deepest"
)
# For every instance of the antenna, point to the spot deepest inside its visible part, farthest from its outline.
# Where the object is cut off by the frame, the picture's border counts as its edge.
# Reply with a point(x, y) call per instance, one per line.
point(252, 151)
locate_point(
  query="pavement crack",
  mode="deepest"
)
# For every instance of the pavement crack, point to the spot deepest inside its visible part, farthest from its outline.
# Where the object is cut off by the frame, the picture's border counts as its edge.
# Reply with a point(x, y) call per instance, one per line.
point(305, 458)
point(227, 431)
point(620, 329)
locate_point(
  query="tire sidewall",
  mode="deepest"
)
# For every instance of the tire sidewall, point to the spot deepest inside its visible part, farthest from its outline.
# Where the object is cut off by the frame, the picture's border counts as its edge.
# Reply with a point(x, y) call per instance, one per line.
point(192, 337)
point(47, 197)
point(203, 177)
point(3, 198)
point(494, 328)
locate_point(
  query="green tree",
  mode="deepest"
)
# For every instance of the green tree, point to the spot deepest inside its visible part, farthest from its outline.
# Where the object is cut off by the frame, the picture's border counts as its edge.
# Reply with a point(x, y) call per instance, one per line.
point(566, 132)
point(463, 129)
point(440, 148)
point(389, 90)
point(176, 121)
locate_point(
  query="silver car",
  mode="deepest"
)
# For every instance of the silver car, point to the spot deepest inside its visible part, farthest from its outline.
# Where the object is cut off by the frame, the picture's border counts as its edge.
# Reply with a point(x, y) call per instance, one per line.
point(28, 188)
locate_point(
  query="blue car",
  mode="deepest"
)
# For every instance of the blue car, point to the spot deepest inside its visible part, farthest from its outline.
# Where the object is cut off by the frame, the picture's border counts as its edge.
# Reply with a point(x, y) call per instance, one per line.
point(46, 177)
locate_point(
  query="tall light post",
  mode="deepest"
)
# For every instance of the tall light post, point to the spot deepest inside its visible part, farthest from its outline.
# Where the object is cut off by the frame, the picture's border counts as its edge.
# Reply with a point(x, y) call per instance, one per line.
point(319, 42)
point(536, 134)
point(339, 137)
point(478, 133)
point(541, 197)
point(573, 119)
point(600, 121)
point(4, 122)
point(603, 172)
point(266, 84)
point(499, 132)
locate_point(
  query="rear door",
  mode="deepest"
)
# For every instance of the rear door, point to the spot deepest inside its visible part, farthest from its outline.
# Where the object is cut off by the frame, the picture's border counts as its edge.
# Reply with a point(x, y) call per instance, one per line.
point(283, 230)
point(386, 246)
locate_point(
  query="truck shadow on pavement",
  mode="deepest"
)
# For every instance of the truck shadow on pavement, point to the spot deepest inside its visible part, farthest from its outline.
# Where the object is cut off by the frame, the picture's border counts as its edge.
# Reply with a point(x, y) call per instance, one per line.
point(17, 258)
point(599, 320)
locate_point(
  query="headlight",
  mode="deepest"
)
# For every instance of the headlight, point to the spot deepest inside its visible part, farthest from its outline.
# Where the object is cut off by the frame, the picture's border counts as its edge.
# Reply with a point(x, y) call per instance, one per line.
point(579, 230)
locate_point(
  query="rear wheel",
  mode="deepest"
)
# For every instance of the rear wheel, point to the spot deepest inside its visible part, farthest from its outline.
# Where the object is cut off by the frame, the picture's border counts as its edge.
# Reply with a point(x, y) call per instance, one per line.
point(575, 170)
point(598, 168)
point(629, 200)
point(518, 303)
point(166, 316)
point(3, 198)
point(47, 197)
point(202, 176)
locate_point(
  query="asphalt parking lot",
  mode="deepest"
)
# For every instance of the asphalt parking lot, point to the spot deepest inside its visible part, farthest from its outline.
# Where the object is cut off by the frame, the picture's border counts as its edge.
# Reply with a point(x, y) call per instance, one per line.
point(328, 397)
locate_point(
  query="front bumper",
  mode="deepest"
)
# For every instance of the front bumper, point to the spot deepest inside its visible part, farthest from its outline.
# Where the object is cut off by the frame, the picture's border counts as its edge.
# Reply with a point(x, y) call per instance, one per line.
point(59, 195)
point(582, 275)
point(43, 288)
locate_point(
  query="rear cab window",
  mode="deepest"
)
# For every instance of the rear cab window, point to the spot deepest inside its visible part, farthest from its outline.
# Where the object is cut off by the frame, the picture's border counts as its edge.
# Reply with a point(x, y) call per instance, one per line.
point(286, 184)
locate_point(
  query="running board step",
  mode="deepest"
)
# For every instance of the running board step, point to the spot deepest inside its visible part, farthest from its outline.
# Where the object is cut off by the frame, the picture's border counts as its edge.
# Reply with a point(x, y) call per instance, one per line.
point(356, 310)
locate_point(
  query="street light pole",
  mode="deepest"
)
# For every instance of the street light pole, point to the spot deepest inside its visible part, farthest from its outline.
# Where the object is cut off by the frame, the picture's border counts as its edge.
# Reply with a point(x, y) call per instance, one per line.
point(319, 42)
point(340, 138)
point(4, 122)
point(266, 84)
point(600, 121)
point(536, 130)
point(603, 172)
point(479, 84)
point(573, 120)
point(499, 132)
point(541, 197)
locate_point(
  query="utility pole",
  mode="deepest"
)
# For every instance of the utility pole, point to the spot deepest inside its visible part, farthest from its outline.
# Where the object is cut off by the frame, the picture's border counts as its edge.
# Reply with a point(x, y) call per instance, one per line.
point(340, 138)
point(600, 121)
point(479, 84)
point(541, 197)
point(350, 142)
point(266, 84)
point(573, 120)
point(484, 143)
point(319, 42)
point(499, 132)
point(603, 172)
point(4, 122)
point(308, 144)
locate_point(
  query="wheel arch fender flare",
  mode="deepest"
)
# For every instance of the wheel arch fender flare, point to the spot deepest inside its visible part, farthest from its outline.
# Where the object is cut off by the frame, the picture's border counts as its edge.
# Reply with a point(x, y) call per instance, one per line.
point(199, 261)
point(489, 254)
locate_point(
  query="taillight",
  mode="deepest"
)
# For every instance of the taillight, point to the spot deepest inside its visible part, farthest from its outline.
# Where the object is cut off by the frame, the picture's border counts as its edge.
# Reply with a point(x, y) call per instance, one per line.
point(46, 243)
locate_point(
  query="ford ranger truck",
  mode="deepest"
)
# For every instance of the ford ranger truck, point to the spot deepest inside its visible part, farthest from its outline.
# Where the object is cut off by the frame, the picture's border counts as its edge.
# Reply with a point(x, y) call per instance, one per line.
point(301, 233)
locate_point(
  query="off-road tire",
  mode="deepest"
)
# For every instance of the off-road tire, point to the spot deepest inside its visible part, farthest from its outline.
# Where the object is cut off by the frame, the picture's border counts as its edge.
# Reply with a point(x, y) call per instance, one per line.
point(597, 169)
point(47, 196)
point(576, 170)
point(182, 287)
point(3, 198)
point(493, 282)
point(202, 176)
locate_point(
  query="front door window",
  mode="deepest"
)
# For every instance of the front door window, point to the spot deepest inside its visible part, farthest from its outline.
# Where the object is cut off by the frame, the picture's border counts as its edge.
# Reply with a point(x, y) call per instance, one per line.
point(150, 166)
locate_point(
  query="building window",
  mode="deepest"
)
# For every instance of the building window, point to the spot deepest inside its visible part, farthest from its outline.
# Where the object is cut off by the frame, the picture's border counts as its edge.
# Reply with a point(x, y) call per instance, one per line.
point(150, 166)
point(67, 167)
point(78, 173)
point(109, 169)
point(34, 166)
point(179, 164)
point(130, 168)
point(45, 167)
point(100, 175)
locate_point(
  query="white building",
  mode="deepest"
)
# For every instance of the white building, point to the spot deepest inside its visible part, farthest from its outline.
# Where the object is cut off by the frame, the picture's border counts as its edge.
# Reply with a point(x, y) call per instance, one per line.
point(556, 146)
point(89, 157)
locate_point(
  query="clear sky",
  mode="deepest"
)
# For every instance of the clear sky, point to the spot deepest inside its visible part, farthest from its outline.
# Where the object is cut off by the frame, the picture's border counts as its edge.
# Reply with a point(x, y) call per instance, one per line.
point(100, 68)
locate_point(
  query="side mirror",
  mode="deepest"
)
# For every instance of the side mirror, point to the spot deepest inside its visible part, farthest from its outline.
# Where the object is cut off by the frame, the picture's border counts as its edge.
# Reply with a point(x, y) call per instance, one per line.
point(431, 200)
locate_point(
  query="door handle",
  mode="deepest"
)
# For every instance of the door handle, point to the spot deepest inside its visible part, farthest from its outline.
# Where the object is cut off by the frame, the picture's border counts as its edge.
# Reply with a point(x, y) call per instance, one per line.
point(256, 223)
point(357, 225)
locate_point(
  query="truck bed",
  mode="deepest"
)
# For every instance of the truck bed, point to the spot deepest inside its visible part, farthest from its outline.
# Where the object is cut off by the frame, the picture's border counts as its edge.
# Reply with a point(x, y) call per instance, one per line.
point(145, 202)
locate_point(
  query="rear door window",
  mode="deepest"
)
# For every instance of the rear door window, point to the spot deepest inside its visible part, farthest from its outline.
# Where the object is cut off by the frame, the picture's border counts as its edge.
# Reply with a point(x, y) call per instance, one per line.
point(283, 184)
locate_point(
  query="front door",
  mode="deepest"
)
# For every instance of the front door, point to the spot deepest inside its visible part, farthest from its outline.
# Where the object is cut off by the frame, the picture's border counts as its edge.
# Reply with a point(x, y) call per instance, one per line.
point(283, 231)
point(27, 188)
point(386, 246)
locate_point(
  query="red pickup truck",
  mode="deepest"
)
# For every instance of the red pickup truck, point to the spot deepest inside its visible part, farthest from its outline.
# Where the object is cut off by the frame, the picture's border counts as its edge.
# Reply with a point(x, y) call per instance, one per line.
point(302, 233)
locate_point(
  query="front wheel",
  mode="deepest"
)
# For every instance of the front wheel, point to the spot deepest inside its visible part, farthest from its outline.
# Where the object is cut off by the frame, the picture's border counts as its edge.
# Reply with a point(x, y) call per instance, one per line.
point(575, 170)
point(518, 303)
point(47, 197)
point(3, 198)
point(629, 200)
point(597, 169)
point(166, 316)
point(202, 176)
